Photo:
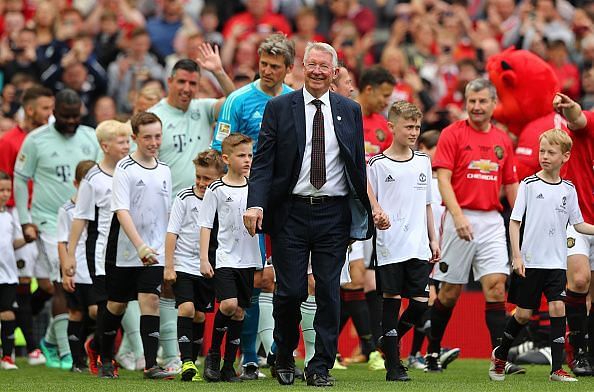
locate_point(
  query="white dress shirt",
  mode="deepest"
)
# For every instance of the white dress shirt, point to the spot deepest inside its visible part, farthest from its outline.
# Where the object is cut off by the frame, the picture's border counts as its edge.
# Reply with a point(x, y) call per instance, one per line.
point(336, 183)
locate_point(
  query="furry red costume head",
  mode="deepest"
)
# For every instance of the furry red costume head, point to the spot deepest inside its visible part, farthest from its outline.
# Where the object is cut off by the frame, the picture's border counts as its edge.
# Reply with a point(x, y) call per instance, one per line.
point(525, 84)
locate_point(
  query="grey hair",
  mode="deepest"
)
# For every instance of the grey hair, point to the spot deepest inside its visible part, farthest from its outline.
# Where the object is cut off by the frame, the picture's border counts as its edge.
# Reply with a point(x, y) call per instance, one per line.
point(278, 45)
point(480, 84)
point(322, 47)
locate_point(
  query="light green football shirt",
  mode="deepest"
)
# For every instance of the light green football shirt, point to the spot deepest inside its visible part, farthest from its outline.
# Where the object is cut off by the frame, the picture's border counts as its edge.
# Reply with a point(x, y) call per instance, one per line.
point(49, 159)
point(185, 134)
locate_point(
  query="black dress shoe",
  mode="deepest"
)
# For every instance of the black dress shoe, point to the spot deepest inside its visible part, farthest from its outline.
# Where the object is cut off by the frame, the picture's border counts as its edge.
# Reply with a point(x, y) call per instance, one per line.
point(299, 374)
point(318, 380)
point(285, 376)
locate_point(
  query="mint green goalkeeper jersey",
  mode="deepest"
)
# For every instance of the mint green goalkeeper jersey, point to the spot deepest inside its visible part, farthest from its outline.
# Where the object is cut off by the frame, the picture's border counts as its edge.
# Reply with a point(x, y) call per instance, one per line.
point(185, 134)
point(49, 159)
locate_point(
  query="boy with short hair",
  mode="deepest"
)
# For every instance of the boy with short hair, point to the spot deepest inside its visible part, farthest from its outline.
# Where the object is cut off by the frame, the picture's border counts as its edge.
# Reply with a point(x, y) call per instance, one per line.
point(93, 213)
point(11, 237)
point(400, 179)
point(237, 255)
point(79, 296)
point(136, 241)
point(194, 295)
point(545, 205)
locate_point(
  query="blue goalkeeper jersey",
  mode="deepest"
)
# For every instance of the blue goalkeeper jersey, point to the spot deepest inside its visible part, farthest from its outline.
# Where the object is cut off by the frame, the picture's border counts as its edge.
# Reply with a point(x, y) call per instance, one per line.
point(242, 112)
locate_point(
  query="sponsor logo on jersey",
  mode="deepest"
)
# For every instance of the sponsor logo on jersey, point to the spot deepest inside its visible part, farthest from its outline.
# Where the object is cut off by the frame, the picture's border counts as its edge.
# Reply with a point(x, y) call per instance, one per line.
point(390, 178)
point(570, 242)
point(380, 135)
point(140, 183)
point(195, 115)
point(195, 209)
point(540, 196)
point(467, 148)
point(257, 114)
point(484, 166)
point(498, 152)
point(229, 199)
point(223, 131)
point(54, 154)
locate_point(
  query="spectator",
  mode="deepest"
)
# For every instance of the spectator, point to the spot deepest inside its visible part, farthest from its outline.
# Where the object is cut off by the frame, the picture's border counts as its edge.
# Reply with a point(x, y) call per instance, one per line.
point(351, 10)
point(162, 28)
point(24, 56)
point(79, 70)
point(104, 109)
point(209, 22)
point(107, 39)
point(567, 73)
point(258, 20)
point(587, 101)
point(43, 22)
point(132, 68)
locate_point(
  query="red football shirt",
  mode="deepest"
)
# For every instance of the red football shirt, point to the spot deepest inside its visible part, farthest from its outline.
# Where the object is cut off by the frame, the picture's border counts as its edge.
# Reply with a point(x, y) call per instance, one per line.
point(480, 163)
point(528, 143)
point(376, 133)
point(579, 168)
point(10, 144)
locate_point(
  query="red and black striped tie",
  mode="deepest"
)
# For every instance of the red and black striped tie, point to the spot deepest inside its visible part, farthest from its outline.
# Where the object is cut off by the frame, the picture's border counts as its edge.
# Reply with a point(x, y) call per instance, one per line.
point(317, 175)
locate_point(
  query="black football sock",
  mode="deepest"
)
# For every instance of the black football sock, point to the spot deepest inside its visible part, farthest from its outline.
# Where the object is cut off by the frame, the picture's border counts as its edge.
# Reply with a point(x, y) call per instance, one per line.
point(440, 317)
point(7, 328)
point(511, 330)
point(576, 313)
point(411, 316)
point(591, 330)
point(374, 306)
point(495, 319)
point(75, 340)
point(219, 328)
point(232, 342)
point(149, 332)
point(38, 300)
point(111, 324)
point(185, 337)
point(557, 342)
point(389, 344)
point(198, 333)
point(24, 315)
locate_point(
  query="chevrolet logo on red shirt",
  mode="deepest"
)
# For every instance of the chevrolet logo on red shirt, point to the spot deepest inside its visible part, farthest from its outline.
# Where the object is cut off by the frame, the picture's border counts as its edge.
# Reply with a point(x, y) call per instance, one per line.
point(484, 166)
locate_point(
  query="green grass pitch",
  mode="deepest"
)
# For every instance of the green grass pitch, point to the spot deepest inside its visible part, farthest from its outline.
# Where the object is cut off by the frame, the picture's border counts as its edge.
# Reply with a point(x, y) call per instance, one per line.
point(462, 375)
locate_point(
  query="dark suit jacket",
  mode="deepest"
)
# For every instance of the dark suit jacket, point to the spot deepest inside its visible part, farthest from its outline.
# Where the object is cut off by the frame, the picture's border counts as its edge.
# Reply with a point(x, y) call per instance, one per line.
point(277, 163)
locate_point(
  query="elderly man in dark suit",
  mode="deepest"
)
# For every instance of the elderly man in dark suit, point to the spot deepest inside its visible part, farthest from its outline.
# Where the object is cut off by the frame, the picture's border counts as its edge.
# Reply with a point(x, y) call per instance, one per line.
point(308, 191)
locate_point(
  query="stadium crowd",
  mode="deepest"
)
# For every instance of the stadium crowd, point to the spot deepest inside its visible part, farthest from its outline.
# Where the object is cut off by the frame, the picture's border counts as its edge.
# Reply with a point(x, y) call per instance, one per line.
point(88, 211)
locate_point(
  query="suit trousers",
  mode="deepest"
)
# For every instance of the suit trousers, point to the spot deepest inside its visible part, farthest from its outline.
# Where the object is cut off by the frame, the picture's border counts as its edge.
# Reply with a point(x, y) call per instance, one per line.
point(322, 231)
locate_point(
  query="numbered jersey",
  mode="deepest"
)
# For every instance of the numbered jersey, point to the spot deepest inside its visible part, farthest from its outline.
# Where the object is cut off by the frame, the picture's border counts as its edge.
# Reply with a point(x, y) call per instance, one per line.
point(185, 134)
point(50, 158)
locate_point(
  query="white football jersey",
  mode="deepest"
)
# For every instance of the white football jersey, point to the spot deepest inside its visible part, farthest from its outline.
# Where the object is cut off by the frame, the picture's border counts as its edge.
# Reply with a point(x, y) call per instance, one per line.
point(10, 230)
point(65, 217)
point(403, 190)
point(545, 210)
point(93, 204)
point(236, 247)
point(183, 222)
point(146, 194)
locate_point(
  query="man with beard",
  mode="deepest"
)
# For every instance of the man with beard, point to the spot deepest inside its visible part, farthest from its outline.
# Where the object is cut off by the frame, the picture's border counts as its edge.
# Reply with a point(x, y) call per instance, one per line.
point(38, 105)
point(473, 160)
point(49, 156)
